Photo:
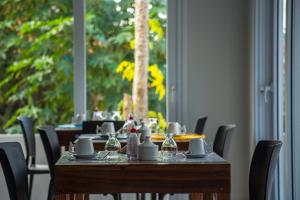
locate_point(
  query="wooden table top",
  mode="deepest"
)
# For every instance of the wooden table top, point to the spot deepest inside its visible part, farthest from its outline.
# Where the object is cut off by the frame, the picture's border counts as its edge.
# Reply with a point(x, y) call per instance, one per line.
point(210, 174)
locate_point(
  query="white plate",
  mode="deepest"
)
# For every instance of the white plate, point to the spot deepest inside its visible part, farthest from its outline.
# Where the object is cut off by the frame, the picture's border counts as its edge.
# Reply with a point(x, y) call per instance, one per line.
point(195, 155)
point(122, 136)
point(91, 136)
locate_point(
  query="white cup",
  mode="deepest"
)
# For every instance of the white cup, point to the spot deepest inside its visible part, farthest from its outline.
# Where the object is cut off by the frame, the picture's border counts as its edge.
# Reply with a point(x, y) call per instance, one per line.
point(197, 146)
point(107, 127)
point(84, 146)
point(174, 128)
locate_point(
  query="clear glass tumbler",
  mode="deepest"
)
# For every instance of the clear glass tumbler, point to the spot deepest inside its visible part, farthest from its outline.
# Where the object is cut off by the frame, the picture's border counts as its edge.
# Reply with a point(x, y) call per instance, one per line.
point(112, 146)
point(169, 147)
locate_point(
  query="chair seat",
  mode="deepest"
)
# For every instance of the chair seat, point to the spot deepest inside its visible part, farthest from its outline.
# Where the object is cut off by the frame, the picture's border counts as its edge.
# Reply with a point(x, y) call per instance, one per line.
point(38, 169)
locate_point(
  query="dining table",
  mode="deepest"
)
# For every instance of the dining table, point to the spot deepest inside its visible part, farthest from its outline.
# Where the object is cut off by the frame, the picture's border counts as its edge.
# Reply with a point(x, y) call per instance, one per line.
point(202, 177)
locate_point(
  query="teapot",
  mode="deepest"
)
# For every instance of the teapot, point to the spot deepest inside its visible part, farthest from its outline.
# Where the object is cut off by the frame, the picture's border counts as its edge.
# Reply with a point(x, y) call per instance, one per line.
point(105, 128)
point(176, 128)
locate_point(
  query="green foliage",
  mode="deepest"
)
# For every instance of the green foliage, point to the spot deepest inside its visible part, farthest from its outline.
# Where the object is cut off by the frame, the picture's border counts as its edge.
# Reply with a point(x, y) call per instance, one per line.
point(35, 61)
point(36, 57)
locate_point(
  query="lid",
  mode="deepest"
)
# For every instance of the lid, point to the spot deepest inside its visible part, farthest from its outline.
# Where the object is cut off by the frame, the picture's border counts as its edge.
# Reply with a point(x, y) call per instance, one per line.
point(145, 130)
point(148, 143)
point(133, 130)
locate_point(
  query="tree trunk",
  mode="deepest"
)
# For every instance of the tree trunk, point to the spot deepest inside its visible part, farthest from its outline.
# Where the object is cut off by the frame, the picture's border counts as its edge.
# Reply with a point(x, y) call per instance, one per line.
point(140, 82)
point(127, 105)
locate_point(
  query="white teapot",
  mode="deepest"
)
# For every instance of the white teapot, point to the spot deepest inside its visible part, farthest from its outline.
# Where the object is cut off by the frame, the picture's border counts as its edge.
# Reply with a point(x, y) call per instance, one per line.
point(105, 128)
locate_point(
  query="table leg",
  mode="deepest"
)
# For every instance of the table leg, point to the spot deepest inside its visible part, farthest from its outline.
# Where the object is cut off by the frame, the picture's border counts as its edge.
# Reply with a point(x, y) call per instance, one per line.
point(223, 196)
point(72, 197)
point(196, 196)
point(62, 197)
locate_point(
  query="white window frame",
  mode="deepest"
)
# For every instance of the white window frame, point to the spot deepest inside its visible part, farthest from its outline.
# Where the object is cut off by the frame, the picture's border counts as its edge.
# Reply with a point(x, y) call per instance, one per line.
point(79, 8)
point(176, 56)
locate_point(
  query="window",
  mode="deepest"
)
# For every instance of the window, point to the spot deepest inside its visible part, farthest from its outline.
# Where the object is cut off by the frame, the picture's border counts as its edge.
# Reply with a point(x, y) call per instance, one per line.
point(41, 79)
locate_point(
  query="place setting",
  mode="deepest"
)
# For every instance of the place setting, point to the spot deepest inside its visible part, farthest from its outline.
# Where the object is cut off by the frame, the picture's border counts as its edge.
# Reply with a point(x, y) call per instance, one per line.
point(198, 148)
point(139, 144)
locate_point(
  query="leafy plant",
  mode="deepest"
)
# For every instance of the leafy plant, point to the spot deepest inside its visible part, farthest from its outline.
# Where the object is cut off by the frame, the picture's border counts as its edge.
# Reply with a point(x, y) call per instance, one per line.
point(36, 58)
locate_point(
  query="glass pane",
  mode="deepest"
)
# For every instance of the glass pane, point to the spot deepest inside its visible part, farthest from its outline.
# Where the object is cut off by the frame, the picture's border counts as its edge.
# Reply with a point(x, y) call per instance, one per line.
point(283, 96)
point(110, 54)
point(36, 62)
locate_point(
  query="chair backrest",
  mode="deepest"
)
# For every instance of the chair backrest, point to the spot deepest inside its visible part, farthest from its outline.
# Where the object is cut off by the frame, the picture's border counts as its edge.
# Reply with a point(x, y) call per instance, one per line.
point(200, 124)
point(28, 134)
point(223, 139)
point(262, 169)
point(15, 170)
point(90, 126)
point(51, 146)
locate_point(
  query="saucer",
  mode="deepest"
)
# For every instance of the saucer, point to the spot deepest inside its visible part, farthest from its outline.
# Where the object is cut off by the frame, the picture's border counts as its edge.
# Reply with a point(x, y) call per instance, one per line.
point(104, 136)
point(122, 136)
point(188, 155)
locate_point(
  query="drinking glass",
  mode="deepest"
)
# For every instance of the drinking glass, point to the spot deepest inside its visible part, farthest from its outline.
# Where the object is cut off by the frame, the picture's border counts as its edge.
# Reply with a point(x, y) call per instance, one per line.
point(78, 118)
point(208, 146)
point(112, 146)
point(183, 129)
point(153, 125)
point(169, 147)
point(116, 115)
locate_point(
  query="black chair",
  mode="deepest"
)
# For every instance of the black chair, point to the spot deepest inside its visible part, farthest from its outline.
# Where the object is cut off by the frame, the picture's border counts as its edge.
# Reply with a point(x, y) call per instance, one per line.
point(29, 138)
point(223, 139)
point(200, 125)
point(262, 169)
point(52, 149)
point(15, 170)
point(90, 126)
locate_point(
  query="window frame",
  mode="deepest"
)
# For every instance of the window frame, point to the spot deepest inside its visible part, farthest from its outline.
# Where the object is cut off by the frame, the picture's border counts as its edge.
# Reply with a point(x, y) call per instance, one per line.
point(79, 37)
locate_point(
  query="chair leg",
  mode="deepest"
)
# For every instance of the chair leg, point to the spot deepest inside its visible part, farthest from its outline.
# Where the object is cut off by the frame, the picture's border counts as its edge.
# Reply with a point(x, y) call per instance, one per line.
point(153, 196)
point(116, 196)
point(161, 196)
point(137, 196)
point(143, 196)
point(50, 191)
point(30, 184)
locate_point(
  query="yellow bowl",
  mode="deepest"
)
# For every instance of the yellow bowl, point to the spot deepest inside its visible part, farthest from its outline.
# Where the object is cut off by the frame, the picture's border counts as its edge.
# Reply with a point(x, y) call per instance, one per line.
point(187, 136)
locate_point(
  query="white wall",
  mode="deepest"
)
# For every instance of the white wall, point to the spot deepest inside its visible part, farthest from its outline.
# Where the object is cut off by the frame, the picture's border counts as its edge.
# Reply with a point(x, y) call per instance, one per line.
point(216, 76)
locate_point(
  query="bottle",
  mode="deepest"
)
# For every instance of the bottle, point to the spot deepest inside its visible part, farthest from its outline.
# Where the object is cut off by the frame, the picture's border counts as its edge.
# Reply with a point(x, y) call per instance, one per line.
point(132, 145)
point(129, 124)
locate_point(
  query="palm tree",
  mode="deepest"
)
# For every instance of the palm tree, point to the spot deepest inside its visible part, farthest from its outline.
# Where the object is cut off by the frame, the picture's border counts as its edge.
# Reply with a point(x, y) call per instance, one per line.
point(140, 82)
